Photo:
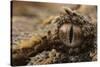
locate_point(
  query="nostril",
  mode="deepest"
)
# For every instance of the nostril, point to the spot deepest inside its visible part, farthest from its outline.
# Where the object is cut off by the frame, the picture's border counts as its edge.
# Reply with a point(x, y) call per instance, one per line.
point(71, 34)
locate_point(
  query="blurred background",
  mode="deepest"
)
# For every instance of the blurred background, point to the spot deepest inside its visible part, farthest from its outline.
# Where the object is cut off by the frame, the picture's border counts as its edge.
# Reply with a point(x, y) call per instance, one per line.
point(29, 18)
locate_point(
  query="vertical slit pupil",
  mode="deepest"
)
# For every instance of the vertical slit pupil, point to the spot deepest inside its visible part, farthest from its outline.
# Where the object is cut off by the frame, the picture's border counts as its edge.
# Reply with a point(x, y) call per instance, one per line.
point(71, 34)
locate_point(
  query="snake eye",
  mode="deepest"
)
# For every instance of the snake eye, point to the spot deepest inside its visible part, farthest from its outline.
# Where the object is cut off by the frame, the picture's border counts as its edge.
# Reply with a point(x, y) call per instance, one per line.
point(70, 35)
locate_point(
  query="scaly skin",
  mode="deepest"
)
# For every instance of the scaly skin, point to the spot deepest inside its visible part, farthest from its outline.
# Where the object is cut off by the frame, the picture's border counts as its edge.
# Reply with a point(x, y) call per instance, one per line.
point(73, 35)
